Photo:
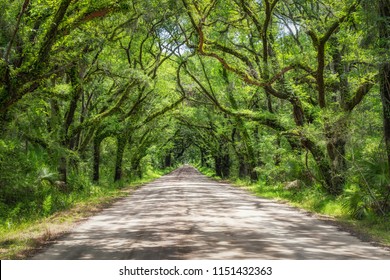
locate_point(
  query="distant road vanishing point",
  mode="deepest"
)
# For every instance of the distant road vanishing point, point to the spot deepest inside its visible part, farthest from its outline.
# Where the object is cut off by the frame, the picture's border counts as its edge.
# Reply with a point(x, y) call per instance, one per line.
point(185, 215)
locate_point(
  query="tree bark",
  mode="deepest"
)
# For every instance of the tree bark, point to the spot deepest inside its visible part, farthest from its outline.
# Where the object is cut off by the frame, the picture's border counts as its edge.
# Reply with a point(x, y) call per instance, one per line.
point(96, 160)
point(335, 145)
point(202, 158)
point(63, 169)
point(225, 160)
point(384, 70)
point(222, 165)
point(121, 145)
point(70, 114)
point(218, 166)
point(168, 160)
point(51, 34)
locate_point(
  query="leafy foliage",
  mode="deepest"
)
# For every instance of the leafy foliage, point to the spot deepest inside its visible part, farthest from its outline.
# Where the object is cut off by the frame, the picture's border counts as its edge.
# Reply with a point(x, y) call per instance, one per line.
point(272, 92)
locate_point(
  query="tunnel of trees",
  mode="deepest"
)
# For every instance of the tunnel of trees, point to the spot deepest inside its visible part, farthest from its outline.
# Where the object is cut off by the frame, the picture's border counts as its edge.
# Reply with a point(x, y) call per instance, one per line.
point(272, 91)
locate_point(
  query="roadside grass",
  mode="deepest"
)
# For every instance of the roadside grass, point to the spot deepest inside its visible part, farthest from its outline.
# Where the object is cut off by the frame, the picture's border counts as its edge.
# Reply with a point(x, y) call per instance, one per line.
point(21, 240)
point(372, 228)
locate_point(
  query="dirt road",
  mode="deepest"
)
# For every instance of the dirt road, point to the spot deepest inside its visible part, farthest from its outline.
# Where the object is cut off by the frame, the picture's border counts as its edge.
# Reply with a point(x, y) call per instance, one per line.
point(184, 215)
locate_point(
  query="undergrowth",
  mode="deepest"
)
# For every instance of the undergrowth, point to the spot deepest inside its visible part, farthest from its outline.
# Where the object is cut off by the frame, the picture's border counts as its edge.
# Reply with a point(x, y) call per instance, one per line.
point(350, 209)
point(52, 212)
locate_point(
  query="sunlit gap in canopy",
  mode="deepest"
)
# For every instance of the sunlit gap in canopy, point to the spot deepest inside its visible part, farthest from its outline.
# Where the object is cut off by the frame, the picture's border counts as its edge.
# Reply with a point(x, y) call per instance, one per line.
point(287, 27)
point(171, 41)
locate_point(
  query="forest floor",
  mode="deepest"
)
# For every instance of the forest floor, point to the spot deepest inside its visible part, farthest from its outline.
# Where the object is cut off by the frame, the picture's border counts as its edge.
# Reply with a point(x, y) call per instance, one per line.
point(185, 215)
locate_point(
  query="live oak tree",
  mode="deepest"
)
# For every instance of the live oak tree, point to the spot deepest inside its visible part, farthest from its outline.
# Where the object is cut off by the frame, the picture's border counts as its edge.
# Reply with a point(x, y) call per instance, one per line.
point(257, 48)
point(85, 79)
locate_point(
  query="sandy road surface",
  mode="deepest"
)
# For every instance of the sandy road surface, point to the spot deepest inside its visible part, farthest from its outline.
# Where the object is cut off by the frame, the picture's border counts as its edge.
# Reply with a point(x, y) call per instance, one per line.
point(184, 215)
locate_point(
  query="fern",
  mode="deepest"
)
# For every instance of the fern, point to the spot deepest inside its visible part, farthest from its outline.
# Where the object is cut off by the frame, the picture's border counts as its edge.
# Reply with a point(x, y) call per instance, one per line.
point(47, 205)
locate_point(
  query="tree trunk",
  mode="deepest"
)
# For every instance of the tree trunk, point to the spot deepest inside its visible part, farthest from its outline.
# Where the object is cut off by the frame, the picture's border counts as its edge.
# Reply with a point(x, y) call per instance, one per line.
point(168, 160)
point(384, 70)
point(242, 167)
point(96, 160)
point(335, 144)
point(62, 169)
point(135, 165)
point(225, 165)
point(202, 158)
point(70, 114)
point(324, 167)
point(122, 141)
point(385, 95)
point(222, 160)
point(222, 166)
point(218, 166)
point(332, 179)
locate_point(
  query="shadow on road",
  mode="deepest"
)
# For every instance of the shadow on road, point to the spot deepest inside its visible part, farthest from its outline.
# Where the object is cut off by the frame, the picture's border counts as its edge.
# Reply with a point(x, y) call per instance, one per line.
point(184, 215)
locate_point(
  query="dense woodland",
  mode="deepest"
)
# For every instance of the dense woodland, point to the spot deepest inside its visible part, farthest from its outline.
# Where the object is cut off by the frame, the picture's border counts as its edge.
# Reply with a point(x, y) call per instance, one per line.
point(278, 92)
